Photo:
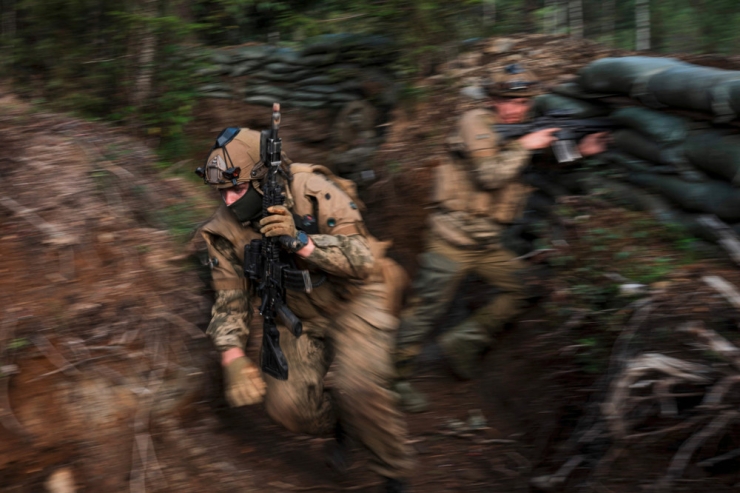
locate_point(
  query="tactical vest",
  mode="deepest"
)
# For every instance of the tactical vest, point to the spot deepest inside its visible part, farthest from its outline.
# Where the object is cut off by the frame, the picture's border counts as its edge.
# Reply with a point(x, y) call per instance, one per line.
point(468, 214)
point(314, 191)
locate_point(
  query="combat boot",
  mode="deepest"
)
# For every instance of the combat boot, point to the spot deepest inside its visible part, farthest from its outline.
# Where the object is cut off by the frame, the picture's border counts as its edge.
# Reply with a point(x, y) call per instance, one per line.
point(395, 486)
point(411, 400)
point(463, 346)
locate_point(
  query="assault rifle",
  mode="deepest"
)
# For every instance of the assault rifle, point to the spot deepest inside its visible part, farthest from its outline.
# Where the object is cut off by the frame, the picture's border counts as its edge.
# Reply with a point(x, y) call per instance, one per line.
point(268, 267)
point(571, 131)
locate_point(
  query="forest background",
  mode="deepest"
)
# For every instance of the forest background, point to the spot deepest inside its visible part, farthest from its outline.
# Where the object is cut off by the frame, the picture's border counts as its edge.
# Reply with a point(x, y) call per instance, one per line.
point(136, 62)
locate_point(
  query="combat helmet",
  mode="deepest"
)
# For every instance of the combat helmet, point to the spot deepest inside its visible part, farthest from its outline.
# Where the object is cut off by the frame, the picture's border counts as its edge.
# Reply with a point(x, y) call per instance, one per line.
point(513, 81)
point(233, 159)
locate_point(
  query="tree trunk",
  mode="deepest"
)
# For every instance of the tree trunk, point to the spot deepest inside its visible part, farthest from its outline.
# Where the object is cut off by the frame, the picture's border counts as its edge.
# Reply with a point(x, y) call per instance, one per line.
point(608, 21)
point(147, 50)
point(489, 13)
point(575, 18)
point(561, 15)
point(8, 19)
point(642, 21)
point(550, 19)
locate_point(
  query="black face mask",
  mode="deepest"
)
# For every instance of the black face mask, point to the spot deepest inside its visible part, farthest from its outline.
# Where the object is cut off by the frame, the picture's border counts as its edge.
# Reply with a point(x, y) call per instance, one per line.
point(248, 207)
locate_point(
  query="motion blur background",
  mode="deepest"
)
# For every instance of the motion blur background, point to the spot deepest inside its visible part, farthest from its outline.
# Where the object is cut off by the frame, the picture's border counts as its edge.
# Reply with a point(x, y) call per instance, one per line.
point(136, 61)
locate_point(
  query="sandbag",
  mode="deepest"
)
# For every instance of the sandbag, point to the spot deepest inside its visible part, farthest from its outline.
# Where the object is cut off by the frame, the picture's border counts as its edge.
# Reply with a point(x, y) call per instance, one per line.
point(619, 75)
point(730, 90)
point(215, 88)
point(273, 77)
point(316, 80)
point(321, 89)
point(691, 87)
point(318, 60)
point(218, 95)
point(285, 55)
point(343, 97)
point(244, 68)
point(258, 52)
point(716, 153)
point(260, 100)
point(268, 90)
point(221, 57)
point(638, 145)
point(546, 103)
point(282, 68)
point(627, 162)
point(308, 104)
point(574, 90)
point(309, 96)
point(660, 127)
point(711, 197)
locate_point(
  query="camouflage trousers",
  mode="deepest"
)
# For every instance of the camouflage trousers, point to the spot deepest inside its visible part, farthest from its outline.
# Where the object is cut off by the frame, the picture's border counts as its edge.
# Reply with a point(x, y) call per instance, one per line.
point(359, 341)
point(442, 267)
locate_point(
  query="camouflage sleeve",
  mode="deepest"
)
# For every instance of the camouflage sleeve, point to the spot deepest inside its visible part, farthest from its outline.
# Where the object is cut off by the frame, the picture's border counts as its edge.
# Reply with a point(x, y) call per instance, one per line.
point(493, 164)
point(495, 171)
point(343, 256)
point(229, 315)
point(231, 310)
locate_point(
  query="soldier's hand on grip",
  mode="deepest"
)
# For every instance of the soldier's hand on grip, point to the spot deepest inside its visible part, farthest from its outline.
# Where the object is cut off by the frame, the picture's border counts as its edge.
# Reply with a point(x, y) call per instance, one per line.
point(594, 144)
point(540, 139)
point(243, 382)
point(279, 223)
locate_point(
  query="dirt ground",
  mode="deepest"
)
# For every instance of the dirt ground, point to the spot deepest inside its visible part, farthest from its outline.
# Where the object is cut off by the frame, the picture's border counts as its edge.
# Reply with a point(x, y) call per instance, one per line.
point(106, 378)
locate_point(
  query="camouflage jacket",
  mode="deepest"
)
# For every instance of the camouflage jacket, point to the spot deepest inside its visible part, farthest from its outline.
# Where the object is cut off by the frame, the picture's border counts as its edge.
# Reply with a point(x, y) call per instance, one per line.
point(344, 253)
point(477, 189)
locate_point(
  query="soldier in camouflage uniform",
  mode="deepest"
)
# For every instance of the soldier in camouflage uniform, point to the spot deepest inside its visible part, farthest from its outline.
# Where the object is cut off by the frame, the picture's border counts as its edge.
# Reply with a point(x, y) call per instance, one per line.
point(477, 193)
point(348, 318)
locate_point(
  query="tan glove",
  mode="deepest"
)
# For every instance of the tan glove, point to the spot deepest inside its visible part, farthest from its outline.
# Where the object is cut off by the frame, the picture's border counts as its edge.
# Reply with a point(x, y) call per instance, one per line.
point(279, 223)
point(244, 384)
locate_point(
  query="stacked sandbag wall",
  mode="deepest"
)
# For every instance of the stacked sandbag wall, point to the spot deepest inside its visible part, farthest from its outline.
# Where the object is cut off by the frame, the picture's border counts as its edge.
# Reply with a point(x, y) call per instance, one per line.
point(676, 151)
point(349, 75)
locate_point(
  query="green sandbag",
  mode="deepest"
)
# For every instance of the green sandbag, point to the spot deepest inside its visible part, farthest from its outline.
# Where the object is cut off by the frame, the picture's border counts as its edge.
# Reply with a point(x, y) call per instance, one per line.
point(635, 143)
point(218, 95)
point(215, 88)
point(691, 87)
point(317, 60)
point(308, 104)
point(282, 68)
point(573, 90)
point(318, 80)
point(252, 52)
point(321, 89)
point(309, 96)
point(659, 127)
point(343, 97)
point(619, 75)
point(716, 153)
point(711, 197)
point(285, 55)
point(260, 100)
point(244, 68)
point(730, 92)
point(273, 77)
point(546, 103)
point(267, 90)
point(627, 162)
point(214, 70)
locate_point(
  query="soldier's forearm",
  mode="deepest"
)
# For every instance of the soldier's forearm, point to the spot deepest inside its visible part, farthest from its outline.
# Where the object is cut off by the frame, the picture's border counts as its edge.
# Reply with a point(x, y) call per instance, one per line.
point(343, 256)
point(228, 327)
point(496, 171)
